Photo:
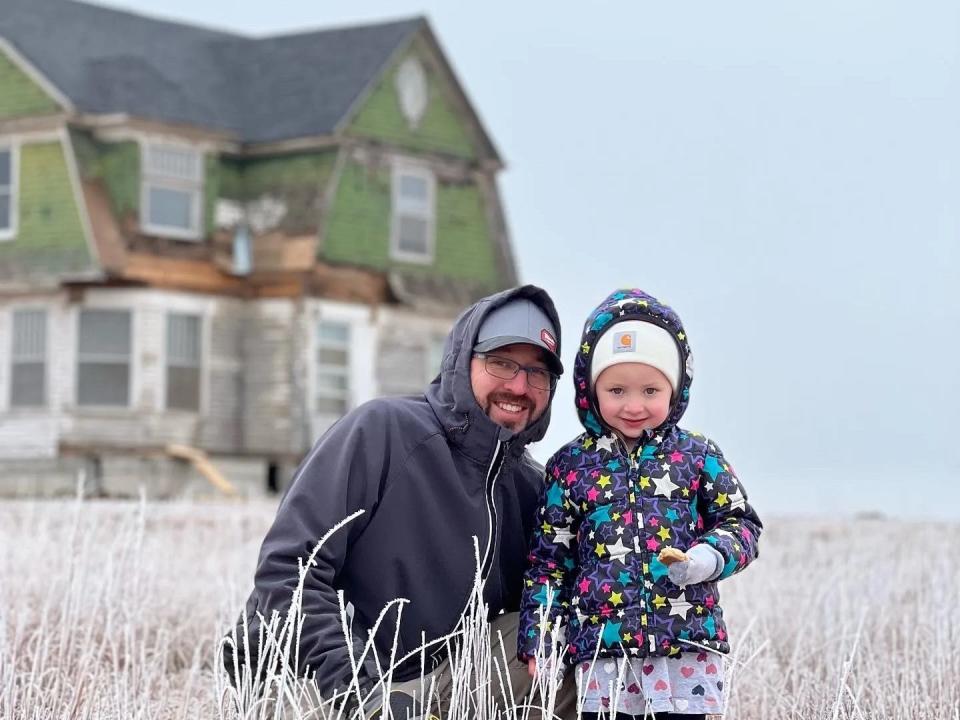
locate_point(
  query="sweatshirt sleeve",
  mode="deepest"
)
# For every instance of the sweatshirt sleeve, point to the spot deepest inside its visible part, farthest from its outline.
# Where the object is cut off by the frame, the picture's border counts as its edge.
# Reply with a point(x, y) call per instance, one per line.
point(341, 475)
point(729, 523)
point(550, 564)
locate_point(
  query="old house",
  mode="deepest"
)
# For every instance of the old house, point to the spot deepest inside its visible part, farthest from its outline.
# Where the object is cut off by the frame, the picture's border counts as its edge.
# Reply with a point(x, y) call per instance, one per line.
point(213, 245)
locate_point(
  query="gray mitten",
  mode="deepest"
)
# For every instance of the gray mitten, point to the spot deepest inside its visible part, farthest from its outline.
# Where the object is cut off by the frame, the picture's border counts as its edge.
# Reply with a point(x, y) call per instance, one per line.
point(703, 563)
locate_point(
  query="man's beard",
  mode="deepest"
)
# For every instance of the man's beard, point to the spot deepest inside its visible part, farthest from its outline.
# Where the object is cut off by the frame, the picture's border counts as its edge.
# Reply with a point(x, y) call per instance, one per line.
point(522, 401)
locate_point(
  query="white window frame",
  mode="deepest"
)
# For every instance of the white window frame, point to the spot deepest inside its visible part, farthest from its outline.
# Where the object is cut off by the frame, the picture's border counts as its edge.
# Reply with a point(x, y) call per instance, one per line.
point(12, 190)
point(45, 358)
point(201, 347)
point(402, 206)
point(191, 183)
point(340, 370)
point(130, 357)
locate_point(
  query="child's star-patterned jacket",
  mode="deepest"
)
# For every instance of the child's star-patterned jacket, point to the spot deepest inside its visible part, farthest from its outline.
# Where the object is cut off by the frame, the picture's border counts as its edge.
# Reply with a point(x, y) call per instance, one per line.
point(605, 515)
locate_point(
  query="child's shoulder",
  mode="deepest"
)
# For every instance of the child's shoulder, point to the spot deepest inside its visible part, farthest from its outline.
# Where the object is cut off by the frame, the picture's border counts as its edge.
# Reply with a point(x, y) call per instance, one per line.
point(582, 442)
point(693, 441)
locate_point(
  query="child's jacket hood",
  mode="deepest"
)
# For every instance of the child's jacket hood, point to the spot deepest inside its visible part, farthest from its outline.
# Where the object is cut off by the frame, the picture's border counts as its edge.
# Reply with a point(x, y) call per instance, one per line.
point(629, 304)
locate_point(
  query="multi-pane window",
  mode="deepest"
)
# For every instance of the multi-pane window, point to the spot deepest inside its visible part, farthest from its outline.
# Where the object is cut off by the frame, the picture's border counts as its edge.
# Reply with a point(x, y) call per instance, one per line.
point(28, 366)
point(103, 357)
point(183, 361)
point(333, 368)
point(172, 191)
point(412, 225)
point(8, 194)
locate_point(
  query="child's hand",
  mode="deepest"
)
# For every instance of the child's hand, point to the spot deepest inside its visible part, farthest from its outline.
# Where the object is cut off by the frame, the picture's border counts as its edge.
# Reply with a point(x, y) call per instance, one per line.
point(703, 563)
point(532, 667)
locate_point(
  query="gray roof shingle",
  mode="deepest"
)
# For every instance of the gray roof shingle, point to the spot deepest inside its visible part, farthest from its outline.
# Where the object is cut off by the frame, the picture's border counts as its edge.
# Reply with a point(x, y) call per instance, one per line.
point(258, 89)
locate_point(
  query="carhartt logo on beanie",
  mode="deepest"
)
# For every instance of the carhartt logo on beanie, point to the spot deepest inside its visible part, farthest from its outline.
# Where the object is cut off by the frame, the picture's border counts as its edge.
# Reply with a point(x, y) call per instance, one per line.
point(640, 342)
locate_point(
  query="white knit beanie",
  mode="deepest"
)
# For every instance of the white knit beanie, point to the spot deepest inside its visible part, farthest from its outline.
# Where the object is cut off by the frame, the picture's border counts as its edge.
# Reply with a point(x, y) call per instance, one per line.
point(640, 342)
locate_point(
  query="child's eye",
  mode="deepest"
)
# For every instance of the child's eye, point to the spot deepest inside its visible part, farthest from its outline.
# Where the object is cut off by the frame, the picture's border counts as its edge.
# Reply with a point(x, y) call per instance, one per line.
point(616, 391)
point(650, 392)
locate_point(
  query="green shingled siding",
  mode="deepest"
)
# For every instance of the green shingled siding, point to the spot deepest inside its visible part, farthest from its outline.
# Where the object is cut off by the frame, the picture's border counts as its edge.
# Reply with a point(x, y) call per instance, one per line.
point(297, 181)
point(117, 165)
point(19, 95)
point(49, 239)
point(441, 129)
point(358, 231)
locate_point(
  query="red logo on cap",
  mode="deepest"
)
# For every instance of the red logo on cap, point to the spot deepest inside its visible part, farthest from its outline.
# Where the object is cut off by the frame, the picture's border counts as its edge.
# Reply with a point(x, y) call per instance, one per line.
point(548, 340)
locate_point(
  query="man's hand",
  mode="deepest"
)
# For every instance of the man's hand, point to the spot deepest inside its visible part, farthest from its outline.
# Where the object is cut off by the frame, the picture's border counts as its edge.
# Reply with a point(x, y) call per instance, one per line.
point(703, 563)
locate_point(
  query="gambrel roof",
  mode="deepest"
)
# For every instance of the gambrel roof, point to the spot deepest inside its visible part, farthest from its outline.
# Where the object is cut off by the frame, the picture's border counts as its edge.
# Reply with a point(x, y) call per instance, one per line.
point(256, 89)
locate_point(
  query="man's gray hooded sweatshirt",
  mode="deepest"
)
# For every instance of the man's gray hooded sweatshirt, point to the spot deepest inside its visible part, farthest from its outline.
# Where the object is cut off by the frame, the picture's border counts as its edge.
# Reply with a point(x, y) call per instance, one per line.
point(430, 472)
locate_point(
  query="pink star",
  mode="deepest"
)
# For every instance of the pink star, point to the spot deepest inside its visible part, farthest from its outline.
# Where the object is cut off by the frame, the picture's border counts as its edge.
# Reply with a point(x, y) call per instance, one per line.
point(584, 585)
point(556, 471)
point(709, 601)
point(592, 494)
point(695, 484)
point(571, 477)
point(675, 456)
point(605, 611)
point(652, 544)
point(654, 522)
point(628, 518)
point(699, 462)
point(721, 635)
point(605, 587)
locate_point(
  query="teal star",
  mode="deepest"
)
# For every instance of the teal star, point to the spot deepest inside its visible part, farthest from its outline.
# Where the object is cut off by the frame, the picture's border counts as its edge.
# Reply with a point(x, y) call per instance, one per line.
point(601, 514)
point(569, 564)
point(623, 578)
point(541, 596)
point(613, 465)
point(590, 422)
point(712, 467)
point(657, 569)
point(611, 634)
point(672, 515)
point(711, 627)
point(649, 451)
point(602, 319)
point(555, 495)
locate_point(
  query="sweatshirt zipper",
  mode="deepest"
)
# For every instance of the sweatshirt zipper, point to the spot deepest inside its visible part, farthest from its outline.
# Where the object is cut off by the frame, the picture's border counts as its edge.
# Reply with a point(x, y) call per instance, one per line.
point(635, 471)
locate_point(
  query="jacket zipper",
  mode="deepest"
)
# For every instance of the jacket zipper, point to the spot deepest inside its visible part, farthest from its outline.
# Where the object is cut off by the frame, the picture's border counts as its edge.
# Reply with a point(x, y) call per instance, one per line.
point(635, 470)
point(493, 472)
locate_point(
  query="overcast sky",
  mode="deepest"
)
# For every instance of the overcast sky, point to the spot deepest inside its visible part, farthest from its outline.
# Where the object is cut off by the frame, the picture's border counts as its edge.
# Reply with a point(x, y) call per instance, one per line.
point(785, 174)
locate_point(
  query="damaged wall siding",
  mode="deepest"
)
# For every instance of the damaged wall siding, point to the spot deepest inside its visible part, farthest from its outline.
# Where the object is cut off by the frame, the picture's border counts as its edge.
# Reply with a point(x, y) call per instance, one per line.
point(408, 351)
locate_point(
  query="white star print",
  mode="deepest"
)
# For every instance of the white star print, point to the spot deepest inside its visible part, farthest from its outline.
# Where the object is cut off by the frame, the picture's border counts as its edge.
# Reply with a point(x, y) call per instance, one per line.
point(665, 485)
point(606, 443)
point(562, 535)
point(618, 550)
point(679, 605)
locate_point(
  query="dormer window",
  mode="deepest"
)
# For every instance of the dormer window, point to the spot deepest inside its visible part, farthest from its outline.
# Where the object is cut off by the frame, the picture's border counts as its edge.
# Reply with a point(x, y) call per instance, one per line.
point(172, 191)
point(413, 213)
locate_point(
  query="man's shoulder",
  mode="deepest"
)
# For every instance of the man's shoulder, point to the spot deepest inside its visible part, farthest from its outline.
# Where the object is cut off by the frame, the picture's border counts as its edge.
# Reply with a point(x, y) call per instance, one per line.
point(407, 415)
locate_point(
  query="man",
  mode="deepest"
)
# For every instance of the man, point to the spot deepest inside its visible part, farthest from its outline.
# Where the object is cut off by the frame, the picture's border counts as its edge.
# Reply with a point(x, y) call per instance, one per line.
point(429, 472)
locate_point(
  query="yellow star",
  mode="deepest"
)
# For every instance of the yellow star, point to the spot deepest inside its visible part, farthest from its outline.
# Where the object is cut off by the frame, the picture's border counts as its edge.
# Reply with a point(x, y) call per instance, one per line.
point(588, 443)
point(659, 601)
point(674, 650)
point(680, 336)
point(603, 481)
point(546, 527)
point(643, 303)
point(644, 482)
point(615, 516)
point(699, 609)
point(616, 598)
point(601, 549)
point(627, 637)
point(633, 498)
point(722, 499)
point(643, 620)
point(585, 348)
point(664, 533)
point(594, 619)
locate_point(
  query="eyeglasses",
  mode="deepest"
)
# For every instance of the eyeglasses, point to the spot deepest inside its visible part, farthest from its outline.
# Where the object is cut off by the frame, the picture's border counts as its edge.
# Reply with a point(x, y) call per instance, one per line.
point(506, 369)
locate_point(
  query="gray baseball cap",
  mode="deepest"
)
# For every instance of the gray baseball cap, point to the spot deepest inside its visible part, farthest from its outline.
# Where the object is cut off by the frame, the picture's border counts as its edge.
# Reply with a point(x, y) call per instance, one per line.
point(520, 321)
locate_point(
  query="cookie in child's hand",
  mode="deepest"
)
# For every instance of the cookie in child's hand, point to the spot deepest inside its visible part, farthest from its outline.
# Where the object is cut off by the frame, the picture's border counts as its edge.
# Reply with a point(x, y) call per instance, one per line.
point(671, 555)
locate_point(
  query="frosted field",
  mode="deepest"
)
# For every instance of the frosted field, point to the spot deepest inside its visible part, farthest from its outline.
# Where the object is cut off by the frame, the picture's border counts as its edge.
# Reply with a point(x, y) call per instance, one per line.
point(114, 610)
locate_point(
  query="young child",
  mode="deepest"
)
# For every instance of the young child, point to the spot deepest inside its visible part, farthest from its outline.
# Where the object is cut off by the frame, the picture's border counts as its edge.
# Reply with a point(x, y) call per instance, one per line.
point(631, 486)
